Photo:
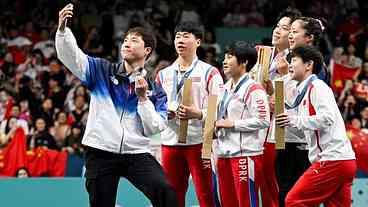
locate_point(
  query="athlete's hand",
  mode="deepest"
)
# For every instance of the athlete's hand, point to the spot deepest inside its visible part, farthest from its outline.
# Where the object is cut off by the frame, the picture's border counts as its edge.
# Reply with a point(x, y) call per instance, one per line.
point(171, 114)
point(282, 120)
point(189, 112)
point(282, 65)
point(141, 87)
point(224, 123)
point(64, 14)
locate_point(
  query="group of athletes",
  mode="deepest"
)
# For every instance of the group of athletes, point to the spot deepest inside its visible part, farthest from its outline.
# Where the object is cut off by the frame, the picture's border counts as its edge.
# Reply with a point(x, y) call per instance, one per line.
point(317, 165)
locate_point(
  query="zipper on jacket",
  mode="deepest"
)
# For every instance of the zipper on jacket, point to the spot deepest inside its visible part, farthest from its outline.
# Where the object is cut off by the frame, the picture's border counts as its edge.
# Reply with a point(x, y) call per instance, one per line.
point(122, 127)
point(121, 118)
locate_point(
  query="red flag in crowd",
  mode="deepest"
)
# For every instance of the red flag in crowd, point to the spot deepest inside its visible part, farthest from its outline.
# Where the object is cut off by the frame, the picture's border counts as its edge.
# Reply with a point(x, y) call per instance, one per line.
point(340, 73)
point(57, 162)
point(13, 156)
point(359, 141)
point(39, 162)
point(360, 91)
point(46, 162)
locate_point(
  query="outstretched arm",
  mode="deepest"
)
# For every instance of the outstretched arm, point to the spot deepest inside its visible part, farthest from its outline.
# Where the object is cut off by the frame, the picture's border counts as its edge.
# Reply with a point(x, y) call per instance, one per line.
point(66, 46)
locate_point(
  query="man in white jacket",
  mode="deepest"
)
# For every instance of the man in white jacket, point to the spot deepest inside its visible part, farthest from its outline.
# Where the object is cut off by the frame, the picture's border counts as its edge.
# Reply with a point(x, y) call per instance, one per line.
point(125, 109)
point(243, 111)
point(329, 179)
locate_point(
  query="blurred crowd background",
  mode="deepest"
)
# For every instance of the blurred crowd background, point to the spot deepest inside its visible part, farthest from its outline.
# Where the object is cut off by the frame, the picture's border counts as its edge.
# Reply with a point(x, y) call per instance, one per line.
point(39, 95)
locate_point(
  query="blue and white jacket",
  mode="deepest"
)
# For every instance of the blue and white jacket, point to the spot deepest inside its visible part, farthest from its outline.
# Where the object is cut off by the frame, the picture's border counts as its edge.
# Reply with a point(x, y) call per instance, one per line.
point(117, 121)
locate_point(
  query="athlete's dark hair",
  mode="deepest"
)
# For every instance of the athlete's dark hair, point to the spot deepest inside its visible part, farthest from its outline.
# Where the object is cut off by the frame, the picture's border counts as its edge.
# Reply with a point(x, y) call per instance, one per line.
point(243, 52)
point(309, 53)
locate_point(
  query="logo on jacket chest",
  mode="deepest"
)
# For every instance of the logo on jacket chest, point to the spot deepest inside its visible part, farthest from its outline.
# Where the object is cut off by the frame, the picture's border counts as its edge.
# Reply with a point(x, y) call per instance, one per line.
point(114, 80)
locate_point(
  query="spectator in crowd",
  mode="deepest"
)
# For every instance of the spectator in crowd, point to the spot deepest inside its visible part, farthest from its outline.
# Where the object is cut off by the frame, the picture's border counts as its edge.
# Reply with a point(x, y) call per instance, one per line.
point(46, 45)
point(18, 45)
point(363, 75)
point(22, 173)
point(93, 45)
point(6, 101)
point(41, 136)
point(77, 90)
point(15, 113)
point(364, 118)
point(8, 130)
point(8, 66)
point(352, 60)
point(209, 41)
point(73, 142)
point(47, 112)
point(31, 33)
point(33, 65)
point(61, 128)
point(56, 92)
point(360, 92)
point(354, 124)
point(348, 111)
point(25, 112)
point(80, 113)
point(26, 89)
point(55, 69)
point(337, 57)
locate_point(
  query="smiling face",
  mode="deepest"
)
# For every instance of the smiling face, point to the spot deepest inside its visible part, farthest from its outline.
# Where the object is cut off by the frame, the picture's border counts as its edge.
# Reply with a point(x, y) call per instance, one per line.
point(298, 69)
point(186, 44)
point(281, 33)
point(133, 48)
point(297, 36)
